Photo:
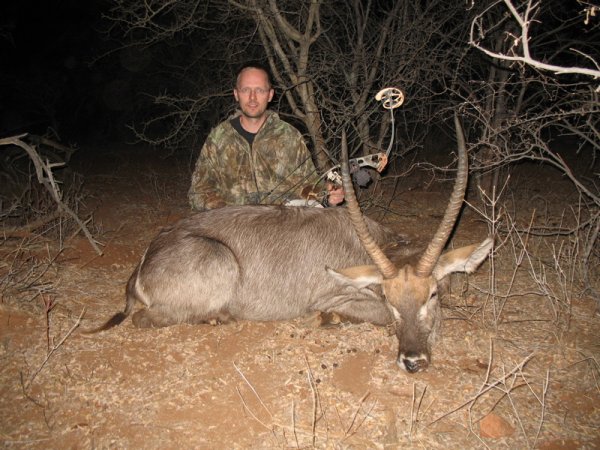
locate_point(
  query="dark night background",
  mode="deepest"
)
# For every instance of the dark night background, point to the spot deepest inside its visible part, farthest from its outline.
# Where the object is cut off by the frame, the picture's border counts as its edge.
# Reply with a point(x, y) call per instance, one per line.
point(58, 72)
point(64, 71)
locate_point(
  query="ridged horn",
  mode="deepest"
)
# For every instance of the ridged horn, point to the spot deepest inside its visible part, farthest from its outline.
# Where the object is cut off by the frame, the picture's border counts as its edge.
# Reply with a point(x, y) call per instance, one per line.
point(436, 245)
point(385, 266)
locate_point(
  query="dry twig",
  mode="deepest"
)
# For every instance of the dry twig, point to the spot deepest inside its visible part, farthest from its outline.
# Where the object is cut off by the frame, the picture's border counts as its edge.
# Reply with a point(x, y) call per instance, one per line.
point(485, 387)
point(53, 349)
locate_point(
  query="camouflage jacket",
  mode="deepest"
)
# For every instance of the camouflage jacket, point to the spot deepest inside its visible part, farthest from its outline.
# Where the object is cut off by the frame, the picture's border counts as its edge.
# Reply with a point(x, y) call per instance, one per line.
point(231, 172)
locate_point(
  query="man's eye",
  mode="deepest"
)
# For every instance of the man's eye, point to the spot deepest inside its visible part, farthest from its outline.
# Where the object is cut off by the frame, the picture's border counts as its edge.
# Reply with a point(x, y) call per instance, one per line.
point(257, 91)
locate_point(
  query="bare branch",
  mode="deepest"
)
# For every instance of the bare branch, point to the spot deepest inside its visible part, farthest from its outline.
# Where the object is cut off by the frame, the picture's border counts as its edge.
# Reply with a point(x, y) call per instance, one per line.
point(522, 40)
point(46, 178)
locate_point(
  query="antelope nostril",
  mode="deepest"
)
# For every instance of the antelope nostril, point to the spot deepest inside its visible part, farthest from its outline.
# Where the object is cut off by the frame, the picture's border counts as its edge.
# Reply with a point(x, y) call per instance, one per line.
point(411, 366)
point(413, 363)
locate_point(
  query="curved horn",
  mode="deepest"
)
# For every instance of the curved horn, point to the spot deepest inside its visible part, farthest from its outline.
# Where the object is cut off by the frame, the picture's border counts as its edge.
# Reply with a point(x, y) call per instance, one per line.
point(385, 266)
point(437, 244)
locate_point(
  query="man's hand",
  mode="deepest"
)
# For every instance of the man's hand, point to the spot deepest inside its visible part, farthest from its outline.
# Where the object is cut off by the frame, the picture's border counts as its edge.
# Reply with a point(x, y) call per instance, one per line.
point(335, 194)
point(383, 160)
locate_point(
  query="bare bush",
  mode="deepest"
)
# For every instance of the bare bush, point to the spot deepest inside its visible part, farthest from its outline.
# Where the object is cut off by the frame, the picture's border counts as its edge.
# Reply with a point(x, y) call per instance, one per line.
point(21, 213)
point(26, 271)
point(544, 264)
point(533, 97)
point(34, 206)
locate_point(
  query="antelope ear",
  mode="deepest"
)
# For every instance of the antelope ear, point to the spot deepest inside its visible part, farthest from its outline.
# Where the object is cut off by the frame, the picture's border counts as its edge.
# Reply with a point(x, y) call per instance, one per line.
point(465, 259)
point(357, 276)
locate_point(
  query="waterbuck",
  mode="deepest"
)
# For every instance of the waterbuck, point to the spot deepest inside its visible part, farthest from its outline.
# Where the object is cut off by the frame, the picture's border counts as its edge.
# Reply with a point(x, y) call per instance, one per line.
point(277, 263)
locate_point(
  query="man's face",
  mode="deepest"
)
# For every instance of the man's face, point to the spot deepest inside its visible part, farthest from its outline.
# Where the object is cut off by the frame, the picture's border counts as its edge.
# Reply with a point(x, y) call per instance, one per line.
point(253, 92)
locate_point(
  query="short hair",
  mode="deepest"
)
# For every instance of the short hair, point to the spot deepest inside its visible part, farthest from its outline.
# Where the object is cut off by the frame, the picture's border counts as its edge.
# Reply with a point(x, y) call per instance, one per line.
point(254, 65)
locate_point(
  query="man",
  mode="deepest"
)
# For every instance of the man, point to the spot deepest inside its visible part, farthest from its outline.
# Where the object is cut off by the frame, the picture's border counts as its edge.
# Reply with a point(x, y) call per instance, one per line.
point(255, 157)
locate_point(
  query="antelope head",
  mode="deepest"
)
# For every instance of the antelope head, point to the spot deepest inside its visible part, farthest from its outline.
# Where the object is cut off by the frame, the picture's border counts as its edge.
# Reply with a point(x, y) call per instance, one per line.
point(411, 292)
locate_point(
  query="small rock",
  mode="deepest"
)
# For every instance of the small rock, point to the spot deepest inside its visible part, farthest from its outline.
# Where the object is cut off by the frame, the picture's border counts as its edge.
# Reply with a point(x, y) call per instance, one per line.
point(494, 426)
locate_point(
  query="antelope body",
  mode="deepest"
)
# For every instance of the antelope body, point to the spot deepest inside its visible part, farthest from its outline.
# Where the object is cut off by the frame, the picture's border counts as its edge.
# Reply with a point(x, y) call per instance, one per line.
point(253, 263)
point(278, 263)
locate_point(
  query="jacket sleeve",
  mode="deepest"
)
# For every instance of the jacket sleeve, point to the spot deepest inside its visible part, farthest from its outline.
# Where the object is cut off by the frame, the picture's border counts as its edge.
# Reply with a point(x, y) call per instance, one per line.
point(204, 192)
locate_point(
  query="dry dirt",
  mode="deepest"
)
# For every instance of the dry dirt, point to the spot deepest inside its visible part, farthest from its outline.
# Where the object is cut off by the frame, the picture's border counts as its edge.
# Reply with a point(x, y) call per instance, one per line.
point(529, 381)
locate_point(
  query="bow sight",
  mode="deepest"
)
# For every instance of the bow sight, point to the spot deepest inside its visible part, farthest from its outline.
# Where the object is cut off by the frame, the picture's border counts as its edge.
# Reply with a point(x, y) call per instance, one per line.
point(390, 98)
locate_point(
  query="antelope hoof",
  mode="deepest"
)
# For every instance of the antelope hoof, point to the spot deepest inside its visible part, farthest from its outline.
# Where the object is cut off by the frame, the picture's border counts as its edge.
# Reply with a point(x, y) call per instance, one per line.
point(321, 319)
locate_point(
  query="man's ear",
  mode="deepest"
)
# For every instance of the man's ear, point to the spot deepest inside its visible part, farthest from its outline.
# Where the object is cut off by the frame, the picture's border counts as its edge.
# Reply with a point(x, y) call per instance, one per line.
point(357, 276)
point(465, 259)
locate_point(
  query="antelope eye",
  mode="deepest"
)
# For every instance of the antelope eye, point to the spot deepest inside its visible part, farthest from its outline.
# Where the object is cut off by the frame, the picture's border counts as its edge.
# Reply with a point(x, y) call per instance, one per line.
point(433, 295)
